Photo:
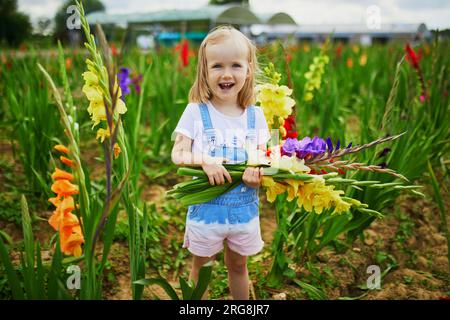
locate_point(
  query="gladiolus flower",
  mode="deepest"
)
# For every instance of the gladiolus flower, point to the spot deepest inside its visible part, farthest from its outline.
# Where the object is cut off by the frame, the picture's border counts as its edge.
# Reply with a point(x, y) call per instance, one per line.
point(290, 147)
point(67, 161)
point(124, 80)
point(61, 148)
point(116, 150)
point(273, 188)
point(311, 147)
point(95, 95)
point(62, 219)
point(72, 238)
point(363, 60)
point(275, 101)
point(68, 63)
point(338, 51)
point(350, 62)
point(411, 56)
point(64, 188)
point(64, 207)
point(414, 60)
point(61, 174)
point(185, 53)
point(289, 125)
point(102, 134)
point(113, 49)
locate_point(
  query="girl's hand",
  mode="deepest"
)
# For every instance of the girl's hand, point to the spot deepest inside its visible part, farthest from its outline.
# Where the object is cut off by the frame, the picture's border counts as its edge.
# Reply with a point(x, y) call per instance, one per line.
point(252, 177)
point(216, 173)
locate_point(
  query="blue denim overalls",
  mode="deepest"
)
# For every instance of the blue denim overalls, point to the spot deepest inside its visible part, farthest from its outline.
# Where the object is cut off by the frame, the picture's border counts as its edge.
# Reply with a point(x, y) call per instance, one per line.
point(236, 207)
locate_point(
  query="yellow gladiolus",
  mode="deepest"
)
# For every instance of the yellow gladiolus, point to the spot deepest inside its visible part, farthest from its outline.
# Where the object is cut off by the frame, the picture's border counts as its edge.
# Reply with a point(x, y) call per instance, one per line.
point(275, 101)
point(102, 134)
point(273, 188)
point(96, 96)
point(292, 188)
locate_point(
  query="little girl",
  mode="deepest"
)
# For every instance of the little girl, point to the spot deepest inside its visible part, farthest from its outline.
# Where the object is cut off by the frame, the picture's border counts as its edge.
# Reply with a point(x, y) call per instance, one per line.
point(220, 125)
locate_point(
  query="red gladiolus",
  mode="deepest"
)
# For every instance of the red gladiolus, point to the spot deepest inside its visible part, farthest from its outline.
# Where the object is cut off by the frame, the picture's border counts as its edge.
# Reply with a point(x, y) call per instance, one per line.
point(113, 49)
point(414, 60)
point(289, 125)
point(338, 51)
point(288, 57)
point(185, 53)
point(411, 56)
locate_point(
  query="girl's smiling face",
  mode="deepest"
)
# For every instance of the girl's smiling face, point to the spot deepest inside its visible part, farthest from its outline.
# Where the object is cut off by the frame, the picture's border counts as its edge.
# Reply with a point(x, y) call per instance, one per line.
point(228, 69)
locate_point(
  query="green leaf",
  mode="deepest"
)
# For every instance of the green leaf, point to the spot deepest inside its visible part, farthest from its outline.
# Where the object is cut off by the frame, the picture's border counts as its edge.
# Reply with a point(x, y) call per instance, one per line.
point(186, 289)
point(13, 279)
point(204, 277)
point(162, 283)
point(313, 292)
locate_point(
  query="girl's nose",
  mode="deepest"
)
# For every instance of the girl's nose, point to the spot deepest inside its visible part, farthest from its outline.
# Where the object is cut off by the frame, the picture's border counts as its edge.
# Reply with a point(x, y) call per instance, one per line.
point(226, 74)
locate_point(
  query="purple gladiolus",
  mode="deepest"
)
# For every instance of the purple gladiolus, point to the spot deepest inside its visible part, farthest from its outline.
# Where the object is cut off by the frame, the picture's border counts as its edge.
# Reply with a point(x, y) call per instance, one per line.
point(308, 147)
point(124, 81)
point(290, 147)
point(330, 145)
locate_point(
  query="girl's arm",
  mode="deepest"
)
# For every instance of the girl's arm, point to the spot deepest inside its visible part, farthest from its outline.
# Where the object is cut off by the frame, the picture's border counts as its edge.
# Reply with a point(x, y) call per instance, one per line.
point(182, 154)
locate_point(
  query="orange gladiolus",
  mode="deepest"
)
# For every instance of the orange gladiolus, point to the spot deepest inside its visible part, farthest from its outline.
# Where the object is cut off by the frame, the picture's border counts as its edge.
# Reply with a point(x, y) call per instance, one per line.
point(68, 63)
point(71, 239)
point(66, 161)
point(349, 62)
point(117, 150)
point(61, 148)
point(64, 188)
point(61, 175)
point(63, 220)
point(55, 201)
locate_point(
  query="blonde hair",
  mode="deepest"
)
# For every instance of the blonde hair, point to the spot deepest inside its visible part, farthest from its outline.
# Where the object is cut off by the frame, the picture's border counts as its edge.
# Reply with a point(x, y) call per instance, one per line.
point(200, 90)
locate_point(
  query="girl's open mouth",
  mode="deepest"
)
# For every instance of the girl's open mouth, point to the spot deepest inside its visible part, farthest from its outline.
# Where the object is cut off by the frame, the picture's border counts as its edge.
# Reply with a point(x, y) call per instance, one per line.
point(225, 86)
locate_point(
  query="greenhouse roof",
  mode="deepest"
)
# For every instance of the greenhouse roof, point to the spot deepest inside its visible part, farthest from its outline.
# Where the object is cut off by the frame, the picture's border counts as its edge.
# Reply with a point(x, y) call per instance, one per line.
point(218, 14)
point(277, 18)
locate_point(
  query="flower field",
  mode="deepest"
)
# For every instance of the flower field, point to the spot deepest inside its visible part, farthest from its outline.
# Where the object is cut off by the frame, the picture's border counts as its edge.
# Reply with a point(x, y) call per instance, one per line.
point(86, 172)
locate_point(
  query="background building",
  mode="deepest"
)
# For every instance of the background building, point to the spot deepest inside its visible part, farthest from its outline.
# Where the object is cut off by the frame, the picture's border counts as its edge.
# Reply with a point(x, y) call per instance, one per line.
point(170, 26)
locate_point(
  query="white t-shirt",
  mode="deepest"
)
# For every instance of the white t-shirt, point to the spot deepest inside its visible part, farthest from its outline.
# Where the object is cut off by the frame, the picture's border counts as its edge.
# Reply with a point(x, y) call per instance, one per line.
point(230, 130)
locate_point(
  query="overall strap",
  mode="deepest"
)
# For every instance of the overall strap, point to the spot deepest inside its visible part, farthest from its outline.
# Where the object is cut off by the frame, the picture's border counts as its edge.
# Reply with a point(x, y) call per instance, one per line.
point(250, 139)
point(251, 117)
point(251, 124)
point(208, 128)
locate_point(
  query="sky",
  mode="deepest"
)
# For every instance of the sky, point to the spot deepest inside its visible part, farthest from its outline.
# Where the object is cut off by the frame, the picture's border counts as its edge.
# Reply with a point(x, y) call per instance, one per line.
point(434, 13)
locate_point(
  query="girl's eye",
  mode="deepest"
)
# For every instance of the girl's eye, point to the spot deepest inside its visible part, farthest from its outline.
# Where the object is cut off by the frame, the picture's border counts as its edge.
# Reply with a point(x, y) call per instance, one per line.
point(236, 65)
point(216, 66)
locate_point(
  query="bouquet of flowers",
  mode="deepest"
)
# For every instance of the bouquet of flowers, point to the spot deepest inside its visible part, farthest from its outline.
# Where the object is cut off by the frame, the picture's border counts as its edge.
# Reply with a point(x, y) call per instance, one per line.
point(307, 169)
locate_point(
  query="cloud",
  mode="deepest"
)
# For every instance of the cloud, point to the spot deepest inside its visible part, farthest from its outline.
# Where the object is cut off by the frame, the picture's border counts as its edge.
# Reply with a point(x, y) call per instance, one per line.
point(39, 8)
point(420, 4)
